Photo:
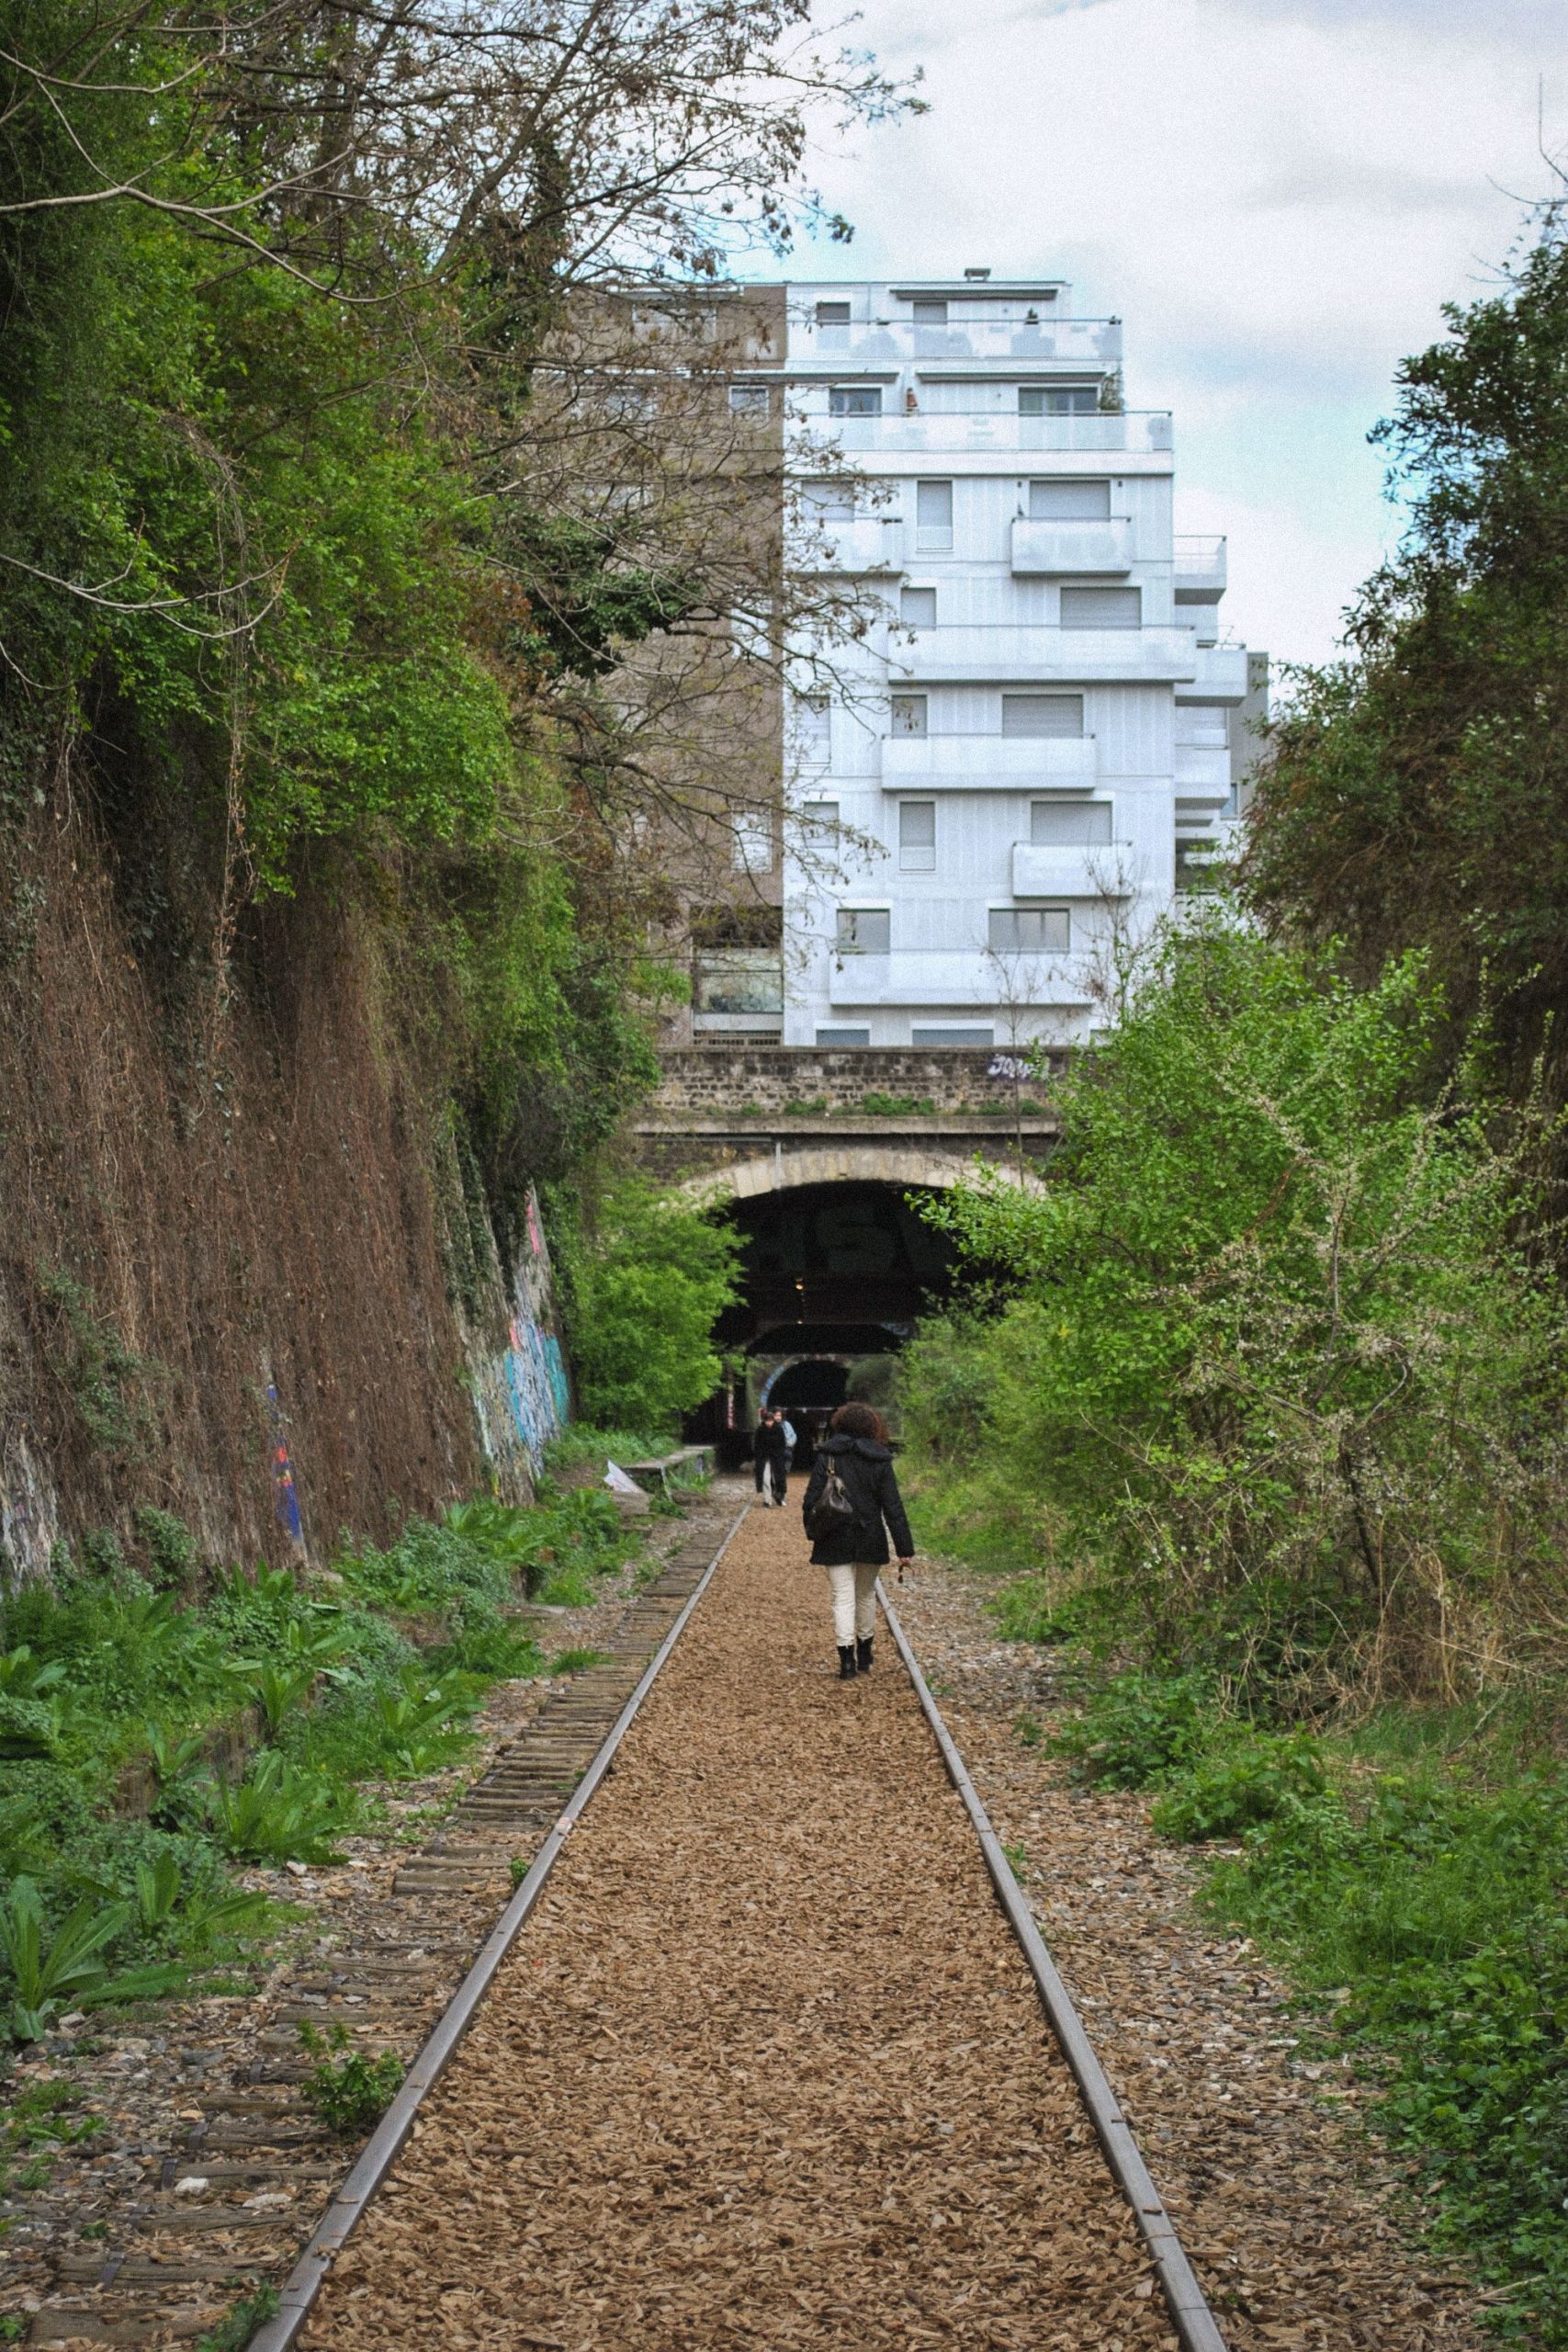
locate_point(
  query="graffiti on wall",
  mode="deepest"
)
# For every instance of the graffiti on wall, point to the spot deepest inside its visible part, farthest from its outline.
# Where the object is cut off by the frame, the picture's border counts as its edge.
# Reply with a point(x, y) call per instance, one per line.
point(29, 1516)
point(522, 1395)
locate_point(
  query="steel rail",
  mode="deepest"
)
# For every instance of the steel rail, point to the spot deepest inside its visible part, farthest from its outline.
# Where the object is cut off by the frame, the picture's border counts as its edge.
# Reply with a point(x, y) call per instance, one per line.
point(1193, 2321)
point(385, 2142)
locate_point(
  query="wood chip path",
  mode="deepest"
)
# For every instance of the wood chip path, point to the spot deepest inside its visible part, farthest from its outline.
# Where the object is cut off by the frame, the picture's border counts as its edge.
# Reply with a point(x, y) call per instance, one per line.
point(765, 2066)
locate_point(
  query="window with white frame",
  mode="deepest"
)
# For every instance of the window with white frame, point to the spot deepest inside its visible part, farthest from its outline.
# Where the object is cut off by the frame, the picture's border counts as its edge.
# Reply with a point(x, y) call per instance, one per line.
point(832, 326)
point(917, 607)
point(1029, 930)
point(933, 515)
point(907, 714)
point(750, 400)
point(864, 930)
point(837, 1033)
point(829, 502)
point(920, 1034)
point(812, 729)
point(1069, 502)
point(929, 309)
point(821, 818)
point(1043, 714)
point(1102, 608)
point(916, 836)
point(751, 845)
point(854, 400)
point(1058, 400)
point(1070, 824)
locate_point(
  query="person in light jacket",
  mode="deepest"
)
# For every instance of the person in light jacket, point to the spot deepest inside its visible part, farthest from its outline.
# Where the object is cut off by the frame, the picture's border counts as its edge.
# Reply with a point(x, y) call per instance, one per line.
point(857, 1447)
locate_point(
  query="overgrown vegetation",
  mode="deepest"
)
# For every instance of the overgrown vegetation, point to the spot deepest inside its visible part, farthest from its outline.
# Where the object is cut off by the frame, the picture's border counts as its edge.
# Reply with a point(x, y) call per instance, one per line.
point(644, 1281)
point(154, 1741)
point(1265, 1393)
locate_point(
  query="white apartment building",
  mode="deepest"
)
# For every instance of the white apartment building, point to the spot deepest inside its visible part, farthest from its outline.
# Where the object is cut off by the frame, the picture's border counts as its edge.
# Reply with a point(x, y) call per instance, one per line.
point(1043, 718)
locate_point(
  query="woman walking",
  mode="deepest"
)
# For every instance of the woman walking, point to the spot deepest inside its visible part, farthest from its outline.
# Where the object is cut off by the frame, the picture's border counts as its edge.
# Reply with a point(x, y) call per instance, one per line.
point(852, 1545)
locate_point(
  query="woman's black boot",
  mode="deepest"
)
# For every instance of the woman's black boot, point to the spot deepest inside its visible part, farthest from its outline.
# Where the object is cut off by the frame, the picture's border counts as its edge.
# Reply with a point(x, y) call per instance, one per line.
point(863, 1656)
point(846, 1663)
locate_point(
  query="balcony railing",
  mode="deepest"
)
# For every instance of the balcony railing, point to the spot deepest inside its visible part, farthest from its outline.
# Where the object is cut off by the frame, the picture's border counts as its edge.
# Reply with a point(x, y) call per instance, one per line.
point(1103, 546)
point(987, 763)
point(954, 978)
point(983, 652)
point(1136, 432)
point(895, 342)
point(859, 543)
point(1103, 872)
point(1200, 566)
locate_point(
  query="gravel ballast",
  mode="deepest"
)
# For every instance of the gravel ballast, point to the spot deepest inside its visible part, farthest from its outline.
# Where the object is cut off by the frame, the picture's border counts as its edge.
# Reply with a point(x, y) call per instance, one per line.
point(766, 2064)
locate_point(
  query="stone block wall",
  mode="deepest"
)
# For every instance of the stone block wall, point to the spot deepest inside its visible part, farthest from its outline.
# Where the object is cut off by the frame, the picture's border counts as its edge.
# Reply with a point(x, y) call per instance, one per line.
point(721, 1079)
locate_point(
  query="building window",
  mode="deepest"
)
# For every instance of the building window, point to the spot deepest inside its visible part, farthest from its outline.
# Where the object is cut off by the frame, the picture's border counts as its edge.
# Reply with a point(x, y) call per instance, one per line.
point(812, 729)
point(854, 400)
point(933, 514)
point(751, 845)
point(917, 607)
point(1058, 400)
point(920, 1036)
point(1102, 608)
point(829, 502)
point(1054, 714)
point(907, 714)
point(822, 818)
point(835, 1036)
point(864, 930)
point(832, 314)
point(1069, 502)
point(1069, 824)
point(1029, 930)
point(750, 400)
point(916, 836)
point(930, 310)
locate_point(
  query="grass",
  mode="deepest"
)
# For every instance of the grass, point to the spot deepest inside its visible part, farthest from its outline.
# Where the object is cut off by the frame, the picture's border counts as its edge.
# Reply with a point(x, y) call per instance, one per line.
point(1407, 1873)
point(157, 1735)
point(577, 1661)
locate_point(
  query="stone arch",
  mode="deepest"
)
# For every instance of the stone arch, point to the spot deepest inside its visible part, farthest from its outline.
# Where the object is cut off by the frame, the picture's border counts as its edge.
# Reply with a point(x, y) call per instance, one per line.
point(784, 1170)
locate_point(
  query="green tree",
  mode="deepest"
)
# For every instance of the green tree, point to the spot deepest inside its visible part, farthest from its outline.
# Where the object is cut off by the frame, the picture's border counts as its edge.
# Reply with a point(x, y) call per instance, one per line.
point(1415, 794)
point(646, 1283)
point(1271, 1358)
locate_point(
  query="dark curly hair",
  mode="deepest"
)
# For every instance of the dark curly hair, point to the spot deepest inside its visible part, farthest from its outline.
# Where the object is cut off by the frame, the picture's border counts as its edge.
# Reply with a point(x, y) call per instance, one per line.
point(859, 1421)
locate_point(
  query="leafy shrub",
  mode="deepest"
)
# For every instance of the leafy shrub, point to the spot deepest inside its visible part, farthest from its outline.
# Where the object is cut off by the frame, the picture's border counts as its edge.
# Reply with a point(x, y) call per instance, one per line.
point(349, 2094)
point(1250, 1781)
point(169, 1546)
point(1024, 1611)
point(643, 1288)
point(279, 1813)
point(48, 1971)
point(1138, 1728)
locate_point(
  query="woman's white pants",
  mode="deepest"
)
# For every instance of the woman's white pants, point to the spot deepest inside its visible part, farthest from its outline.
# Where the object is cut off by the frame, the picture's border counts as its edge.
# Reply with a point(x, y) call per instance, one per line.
point(854, 1601)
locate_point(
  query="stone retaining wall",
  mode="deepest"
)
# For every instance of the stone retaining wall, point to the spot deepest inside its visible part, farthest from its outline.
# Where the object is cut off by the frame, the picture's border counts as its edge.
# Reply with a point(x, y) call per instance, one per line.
point(710, 1078)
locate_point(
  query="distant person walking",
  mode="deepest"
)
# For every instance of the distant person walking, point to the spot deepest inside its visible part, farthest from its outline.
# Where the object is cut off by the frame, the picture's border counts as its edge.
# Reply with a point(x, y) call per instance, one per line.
point(854, 1467)
point(768, 1449)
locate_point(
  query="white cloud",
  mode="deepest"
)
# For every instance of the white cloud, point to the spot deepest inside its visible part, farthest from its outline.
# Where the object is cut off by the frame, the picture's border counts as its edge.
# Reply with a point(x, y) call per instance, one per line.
point(1276, 195)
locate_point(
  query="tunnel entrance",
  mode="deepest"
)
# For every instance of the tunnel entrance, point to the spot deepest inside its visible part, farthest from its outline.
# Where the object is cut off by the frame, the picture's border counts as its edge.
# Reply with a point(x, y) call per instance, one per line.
point(835, 1277)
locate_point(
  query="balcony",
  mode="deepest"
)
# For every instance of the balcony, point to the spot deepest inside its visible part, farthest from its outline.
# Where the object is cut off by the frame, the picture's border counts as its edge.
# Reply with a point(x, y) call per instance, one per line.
point(1100, 546)
point(1105, 872)
point(987, 763)
point(862, 543)
point(1203, 767)
point(958, 981)
point(1132, 432)
point(987, 653)
point(1217, 673)
point(745, 982)
point(894, 343)
point(1199, 570)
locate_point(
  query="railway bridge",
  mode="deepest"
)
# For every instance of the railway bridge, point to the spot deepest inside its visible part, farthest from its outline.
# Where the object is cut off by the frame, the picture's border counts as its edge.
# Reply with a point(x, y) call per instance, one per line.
point(819, 1157)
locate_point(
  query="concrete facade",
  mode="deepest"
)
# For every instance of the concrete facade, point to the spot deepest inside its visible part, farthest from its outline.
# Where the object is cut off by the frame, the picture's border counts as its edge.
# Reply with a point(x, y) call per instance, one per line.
point(1041, 722)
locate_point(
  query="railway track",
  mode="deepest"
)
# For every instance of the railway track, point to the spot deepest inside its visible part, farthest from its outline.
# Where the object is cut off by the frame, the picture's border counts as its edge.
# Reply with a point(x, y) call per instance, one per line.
point(237, 2193)
point(752, 2053)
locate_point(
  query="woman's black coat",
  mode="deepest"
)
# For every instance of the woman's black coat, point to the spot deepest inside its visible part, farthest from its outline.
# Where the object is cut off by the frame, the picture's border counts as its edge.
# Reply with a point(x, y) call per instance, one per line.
point(866, 1469)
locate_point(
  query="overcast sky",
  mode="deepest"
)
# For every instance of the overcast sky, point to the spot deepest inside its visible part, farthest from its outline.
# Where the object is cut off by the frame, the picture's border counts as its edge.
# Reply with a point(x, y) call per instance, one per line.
point(1275, 196)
